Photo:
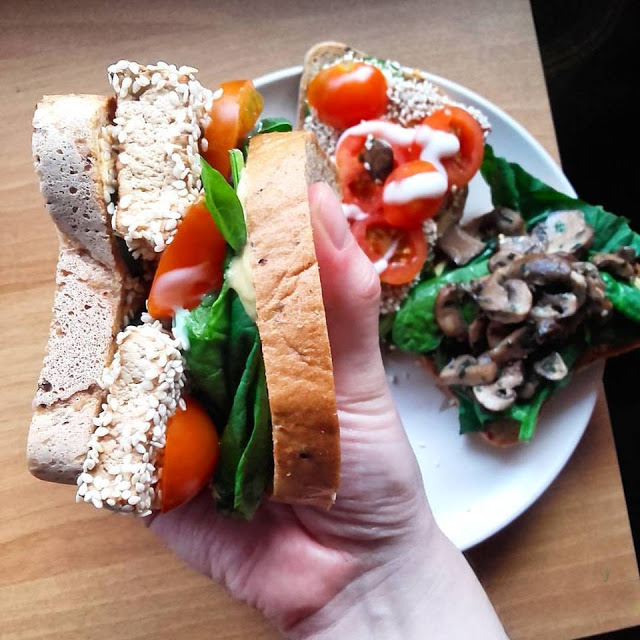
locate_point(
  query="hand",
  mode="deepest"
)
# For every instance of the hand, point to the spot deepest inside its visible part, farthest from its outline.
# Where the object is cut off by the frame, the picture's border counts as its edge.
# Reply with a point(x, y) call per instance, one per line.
point(375, 565)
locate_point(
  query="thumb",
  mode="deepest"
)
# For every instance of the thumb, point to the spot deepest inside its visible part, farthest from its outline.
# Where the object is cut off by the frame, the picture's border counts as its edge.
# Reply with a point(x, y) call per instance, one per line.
point(351, 292)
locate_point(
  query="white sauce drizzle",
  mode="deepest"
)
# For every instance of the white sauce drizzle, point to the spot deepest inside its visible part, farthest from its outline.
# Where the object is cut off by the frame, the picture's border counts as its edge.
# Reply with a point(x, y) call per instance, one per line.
point(420, 185)
point(353, 212)
point(381, 264)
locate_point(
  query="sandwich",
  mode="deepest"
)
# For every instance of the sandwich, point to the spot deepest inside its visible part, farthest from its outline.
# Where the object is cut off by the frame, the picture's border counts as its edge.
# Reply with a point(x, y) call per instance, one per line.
point(188, 346)
point(405, 152)
point(501, 308)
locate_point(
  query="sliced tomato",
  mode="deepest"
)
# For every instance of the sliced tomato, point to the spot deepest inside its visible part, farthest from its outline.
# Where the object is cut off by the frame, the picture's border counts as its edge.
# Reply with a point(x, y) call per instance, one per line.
point(190, 266)
point(403, 250)
point(234, 112)
point(190, 455)
point(358, 186)
point(402, 205)
point(347, 93)
point(464, 165)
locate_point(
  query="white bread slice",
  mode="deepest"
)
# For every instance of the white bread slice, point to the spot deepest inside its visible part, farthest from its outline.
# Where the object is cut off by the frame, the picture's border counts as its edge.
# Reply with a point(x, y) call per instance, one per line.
point(291, 318)
point(72, 157)
point(123, 458)
point(88, 312)
point(160, 117)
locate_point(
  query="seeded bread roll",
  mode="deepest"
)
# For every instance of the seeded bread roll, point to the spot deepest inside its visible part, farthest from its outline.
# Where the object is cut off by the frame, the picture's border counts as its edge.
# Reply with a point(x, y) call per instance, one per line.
point(88, 312)
point(72, 156)
point(291, 317)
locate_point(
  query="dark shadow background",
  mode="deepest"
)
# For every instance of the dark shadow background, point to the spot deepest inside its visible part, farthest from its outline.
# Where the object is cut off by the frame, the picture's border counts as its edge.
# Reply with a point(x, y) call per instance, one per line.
point(591, 56)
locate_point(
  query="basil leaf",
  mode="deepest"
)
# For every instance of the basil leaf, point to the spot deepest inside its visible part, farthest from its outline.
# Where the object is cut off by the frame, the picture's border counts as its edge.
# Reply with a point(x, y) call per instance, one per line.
point(236, 159)
point(270, 125)
point(415, 327)
point(624, 297)
point(224, 206)
point(511, 186)
point(255, 469)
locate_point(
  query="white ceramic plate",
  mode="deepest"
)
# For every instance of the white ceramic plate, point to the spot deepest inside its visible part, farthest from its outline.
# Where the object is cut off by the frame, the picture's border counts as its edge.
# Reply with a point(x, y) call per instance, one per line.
point(474, 489)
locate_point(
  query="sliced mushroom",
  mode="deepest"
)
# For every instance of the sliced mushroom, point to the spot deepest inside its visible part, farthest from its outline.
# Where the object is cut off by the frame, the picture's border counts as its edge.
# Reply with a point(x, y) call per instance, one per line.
point(467, 371)
point(452, 210)
point(448, 311)
point(540, 270)
point(377, 158)
point(555, 305)
point(513, 247)
point(518, 344)
point(564, 231)
point(477, 331)
point(507, 301)
point(616, 264)
point(459, 245)
point(551, 367)
point(502, 393)
point(598, 303)
point(501, 220)
point(497, 332)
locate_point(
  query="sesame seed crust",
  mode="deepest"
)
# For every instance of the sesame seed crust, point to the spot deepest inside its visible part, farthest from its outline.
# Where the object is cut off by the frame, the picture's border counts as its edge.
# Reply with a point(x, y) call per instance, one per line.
point(160, 119)
point(143, 384)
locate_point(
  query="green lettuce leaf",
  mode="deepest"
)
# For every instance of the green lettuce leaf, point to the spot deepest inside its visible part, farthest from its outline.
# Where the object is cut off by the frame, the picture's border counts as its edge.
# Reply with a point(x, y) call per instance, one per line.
point(224, 206)
point(624, 297)
point(236, 160)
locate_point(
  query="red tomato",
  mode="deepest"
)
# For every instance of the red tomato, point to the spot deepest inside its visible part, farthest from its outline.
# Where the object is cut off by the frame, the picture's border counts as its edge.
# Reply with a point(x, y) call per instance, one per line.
point(414, 212)
point(190, 266)
point(376, 238)
point(358, 187)
point(347, 93)
point(190, 455)
point(464, 165)
point(233, 115)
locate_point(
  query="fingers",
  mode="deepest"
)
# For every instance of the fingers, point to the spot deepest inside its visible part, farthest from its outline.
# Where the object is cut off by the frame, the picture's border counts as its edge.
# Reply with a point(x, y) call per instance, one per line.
point(351, 292)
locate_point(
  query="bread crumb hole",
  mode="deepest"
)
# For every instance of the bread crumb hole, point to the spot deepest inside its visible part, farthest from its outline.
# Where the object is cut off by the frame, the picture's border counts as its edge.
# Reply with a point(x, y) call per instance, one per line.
point(46, 386)
point(73, 189)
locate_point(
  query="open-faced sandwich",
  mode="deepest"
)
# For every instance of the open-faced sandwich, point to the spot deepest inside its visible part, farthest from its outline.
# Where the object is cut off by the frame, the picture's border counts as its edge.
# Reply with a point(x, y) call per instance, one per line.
point(188, 340)
point(503, 307)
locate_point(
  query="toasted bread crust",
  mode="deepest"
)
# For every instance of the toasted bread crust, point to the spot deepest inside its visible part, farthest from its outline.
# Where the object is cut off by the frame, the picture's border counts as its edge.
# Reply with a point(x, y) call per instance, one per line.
point(68, 150)
point(291, 319)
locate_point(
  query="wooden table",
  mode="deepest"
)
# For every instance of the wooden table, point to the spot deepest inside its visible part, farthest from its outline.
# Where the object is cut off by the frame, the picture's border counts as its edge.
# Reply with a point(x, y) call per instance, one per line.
point(564, 569)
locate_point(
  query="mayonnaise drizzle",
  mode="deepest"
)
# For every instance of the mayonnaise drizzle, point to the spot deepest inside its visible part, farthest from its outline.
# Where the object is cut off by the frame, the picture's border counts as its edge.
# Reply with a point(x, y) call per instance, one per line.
point(382, 263)
point(434, 145)
point(353, 212)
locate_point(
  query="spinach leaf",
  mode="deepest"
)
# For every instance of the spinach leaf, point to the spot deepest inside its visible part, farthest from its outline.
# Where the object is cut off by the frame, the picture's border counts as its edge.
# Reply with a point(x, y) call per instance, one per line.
point(511, 186)
point(207, 329)
point(224, 206)
point(236, 434)
point(415, 327)
point(624, 297)
point(236, 159)
point(266, 125)
point(255, 469)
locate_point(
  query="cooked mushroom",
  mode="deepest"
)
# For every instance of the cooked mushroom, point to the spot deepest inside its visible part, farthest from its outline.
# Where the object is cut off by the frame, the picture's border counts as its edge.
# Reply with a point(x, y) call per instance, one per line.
point(467, 371)
point(513, 247)
point(539, 270)
point(459, 245)
point(501, 220)
point(564, 231)
point(377, 158)
point(452, 210)
point(551, 367)
point(555, 305)
point(616, 263)
point(448, 310)
point(477, 331)
point(598, 303)
point(502, 393)
point(507, 301)
point(529, 386)
point(497, 332)
point(516, 345)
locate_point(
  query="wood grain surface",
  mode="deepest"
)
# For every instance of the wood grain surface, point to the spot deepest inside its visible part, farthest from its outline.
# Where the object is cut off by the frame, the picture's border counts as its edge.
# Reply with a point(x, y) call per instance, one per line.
point(564, 569)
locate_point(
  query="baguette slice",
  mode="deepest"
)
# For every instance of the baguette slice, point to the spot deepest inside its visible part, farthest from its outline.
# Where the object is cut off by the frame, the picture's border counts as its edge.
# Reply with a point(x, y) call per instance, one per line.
point(72, 157)
point(291, 317)
point(88, 312)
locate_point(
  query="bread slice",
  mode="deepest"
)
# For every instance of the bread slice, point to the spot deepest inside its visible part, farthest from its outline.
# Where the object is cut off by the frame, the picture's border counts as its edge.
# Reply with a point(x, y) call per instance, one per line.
point(160, 117)
point(88, 311)
point(291, 318)
point(72, 156)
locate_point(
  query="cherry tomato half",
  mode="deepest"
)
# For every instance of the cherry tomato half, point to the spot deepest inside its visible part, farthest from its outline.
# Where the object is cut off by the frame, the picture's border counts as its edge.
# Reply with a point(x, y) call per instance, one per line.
point(190, 266)
point(403, 210)
point(357, 182)
point(377, 239)
point(464, 165)
point(347, 93)
point(190, 455)
point(234, 112)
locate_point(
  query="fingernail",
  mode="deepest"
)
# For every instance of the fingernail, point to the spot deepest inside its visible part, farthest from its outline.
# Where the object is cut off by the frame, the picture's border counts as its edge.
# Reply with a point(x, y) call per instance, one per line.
point(326, 208)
